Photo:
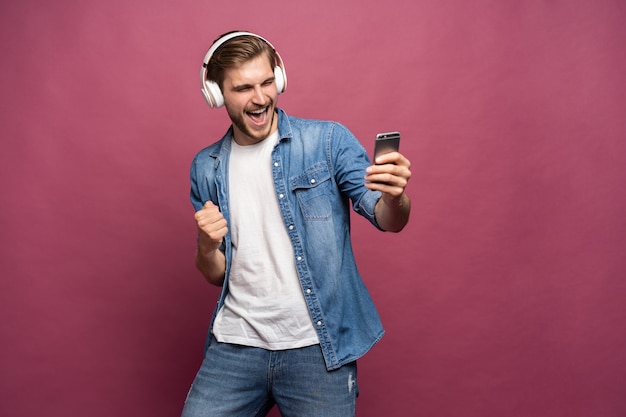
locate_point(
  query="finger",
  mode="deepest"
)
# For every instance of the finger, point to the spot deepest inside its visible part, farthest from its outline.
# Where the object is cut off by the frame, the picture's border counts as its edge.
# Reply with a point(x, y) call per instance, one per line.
point(395, 158)
point(208, 209)
point(393, 191)
point(386, 158)
point(204, 220)
point(211, 222)
point(208, 204)
point(215, 234)
point(387, 179)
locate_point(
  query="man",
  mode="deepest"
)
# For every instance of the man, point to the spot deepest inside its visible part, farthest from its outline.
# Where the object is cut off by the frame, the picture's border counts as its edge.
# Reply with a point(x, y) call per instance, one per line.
point(273, 211)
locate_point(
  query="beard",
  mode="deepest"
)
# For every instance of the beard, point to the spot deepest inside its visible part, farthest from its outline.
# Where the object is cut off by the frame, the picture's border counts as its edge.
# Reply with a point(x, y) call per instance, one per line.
point(241, 123)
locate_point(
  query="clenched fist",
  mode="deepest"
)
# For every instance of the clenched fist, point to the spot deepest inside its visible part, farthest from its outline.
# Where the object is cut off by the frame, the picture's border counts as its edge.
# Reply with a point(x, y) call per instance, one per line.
point(212, 227)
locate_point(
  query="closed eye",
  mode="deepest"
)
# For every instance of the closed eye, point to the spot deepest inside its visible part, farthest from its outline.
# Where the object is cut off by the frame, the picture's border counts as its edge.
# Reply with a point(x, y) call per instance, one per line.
point(247, 87)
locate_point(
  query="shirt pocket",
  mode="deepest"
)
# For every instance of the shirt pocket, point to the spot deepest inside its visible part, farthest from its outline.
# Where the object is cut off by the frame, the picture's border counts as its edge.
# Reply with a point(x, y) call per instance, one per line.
point(313, 189)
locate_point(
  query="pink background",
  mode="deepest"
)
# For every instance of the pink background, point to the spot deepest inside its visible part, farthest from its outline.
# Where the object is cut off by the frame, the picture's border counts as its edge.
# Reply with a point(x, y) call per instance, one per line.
point(504, 296)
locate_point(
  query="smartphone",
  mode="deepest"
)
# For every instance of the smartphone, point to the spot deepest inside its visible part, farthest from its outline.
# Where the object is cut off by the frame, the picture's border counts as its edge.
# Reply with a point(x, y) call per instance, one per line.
point(386, 142)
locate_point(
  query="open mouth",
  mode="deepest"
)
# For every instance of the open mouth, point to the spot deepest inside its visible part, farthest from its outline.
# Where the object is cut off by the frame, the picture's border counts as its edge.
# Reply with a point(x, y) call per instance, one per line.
point(258, 116)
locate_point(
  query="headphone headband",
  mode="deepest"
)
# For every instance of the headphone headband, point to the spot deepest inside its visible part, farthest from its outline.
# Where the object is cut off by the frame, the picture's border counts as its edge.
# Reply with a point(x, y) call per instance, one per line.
point(211, 91)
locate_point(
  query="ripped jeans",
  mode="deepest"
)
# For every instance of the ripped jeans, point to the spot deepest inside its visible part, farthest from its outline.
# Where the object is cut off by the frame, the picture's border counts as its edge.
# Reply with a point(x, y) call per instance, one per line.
point(245, 381)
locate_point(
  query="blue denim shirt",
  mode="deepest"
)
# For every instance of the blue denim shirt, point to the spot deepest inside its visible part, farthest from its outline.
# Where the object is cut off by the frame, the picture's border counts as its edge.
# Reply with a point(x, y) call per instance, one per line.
point(318, 168)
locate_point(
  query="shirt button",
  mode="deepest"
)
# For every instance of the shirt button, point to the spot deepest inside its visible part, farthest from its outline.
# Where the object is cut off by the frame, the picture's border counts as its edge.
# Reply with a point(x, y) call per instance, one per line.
point(319, 323)
point(275, 164)
point(291, 227)
point(313, 181)
point(308, 291)
point(281, 195)
point(299, 258)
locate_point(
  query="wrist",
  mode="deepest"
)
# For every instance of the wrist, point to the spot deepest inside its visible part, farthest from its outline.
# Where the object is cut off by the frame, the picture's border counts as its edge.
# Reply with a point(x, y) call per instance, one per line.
point(395, 202)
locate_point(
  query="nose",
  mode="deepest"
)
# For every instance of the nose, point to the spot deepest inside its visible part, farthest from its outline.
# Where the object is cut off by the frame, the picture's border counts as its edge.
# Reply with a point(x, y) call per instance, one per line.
point(259, 95)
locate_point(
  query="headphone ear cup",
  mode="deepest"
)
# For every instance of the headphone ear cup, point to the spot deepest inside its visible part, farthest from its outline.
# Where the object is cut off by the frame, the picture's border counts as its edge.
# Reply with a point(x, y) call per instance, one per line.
point(213, 94)
point(281, 80)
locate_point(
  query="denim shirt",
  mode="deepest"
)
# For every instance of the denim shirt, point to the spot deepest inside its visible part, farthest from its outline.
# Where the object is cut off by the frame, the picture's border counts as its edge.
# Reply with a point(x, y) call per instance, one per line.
point(318, 168)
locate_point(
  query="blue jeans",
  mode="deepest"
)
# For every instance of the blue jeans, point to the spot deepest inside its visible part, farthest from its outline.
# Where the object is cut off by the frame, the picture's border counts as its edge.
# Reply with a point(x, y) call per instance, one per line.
point(241, 381)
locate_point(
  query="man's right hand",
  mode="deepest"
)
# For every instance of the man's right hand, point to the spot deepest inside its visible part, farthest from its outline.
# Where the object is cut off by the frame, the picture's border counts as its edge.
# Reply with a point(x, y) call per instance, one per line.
point(212, 227)
point(211, 231)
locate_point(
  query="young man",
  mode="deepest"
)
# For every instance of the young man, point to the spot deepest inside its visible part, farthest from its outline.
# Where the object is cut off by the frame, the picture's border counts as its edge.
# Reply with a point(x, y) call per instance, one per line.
point(273, 212)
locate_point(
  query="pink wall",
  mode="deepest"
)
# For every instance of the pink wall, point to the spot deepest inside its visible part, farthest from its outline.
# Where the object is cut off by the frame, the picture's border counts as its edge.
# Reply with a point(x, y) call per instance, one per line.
point(503, 297)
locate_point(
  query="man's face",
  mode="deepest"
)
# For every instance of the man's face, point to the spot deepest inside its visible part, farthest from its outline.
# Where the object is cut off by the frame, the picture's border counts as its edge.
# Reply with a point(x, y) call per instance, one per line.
point(250, 97)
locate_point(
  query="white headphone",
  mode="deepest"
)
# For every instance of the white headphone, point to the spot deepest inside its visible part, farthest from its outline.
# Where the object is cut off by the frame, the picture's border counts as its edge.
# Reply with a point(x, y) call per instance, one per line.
point(211, 90)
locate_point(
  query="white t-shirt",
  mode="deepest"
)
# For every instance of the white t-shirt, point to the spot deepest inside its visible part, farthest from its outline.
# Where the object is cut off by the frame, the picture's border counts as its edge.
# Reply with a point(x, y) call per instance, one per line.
point(265, 306)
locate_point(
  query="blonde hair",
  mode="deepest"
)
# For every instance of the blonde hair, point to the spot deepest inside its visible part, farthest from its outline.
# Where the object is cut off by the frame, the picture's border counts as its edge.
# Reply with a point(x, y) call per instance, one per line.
point(234, 53)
